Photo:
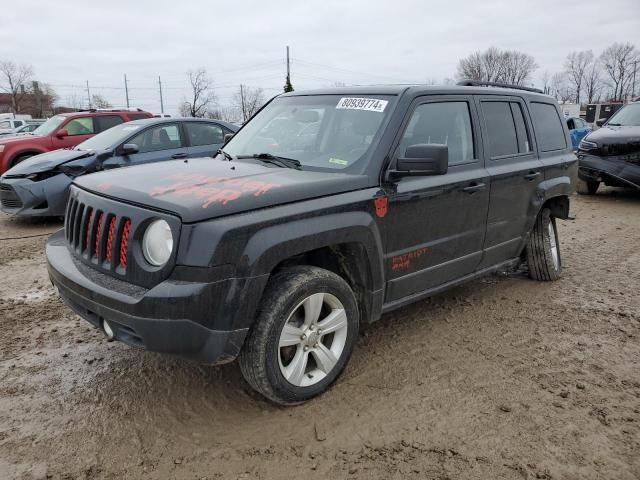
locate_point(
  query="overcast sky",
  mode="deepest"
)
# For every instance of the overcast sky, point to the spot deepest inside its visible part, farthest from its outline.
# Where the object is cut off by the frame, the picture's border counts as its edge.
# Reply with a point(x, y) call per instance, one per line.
point(353, 42)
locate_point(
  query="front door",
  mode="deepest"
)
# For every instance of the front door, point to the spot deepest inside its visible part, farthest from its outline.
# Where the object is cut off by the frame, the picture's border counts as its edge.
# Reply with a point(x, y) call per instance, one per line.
point(78, 130)
point(158, 143)
point(434, 226)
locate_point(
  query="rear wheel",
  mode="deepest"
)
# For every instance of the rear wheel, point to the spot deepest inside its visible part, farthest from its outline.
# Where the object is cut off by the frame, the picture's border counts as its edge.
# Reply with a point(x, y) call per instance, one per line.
point(543, 249)
point(306, 329)
point(585, 187)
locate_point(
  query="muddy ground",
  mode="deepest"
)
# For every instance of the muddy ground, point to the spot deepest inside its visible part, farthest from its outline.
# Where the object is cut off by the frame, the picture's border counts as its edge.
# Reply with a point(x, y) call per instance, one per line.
point(503, 378)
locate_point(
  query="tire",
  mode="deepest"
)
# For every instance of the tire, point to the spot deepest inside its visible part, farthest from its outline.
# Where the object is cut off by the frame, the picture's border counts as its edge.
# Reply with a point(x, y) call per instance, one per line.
point(21, 158)
point(584, 187)
point(543, 249)
point(292, 298)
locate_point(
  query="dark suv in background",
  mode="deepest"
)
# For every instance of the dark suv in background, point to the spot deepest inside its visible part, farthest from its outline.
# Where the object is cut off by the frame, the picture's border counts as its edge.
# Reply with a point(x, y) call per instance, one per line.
point(62, 131)
point(326, 210)
point(611, 154)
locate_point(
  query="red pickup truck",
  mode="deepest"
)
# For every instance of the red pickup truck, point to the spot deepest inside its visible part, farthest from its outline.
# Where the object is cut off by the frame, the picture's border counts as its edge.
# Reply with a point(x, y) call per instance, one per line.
point(62, 131)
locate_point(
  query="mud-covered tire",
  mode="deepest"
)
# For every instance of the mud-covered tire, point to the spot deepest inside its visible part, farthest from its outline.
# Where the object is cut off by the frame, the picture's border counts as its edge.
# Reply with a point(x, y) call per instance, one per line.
point(584, 187)
point(261, 360)
point(543, 249)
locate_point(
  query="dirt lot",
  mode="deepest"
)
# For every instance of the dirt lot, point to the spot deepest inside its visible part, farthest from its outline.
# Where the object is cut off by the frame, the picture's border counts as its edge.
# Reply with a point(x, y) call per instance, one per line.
point(504, 378)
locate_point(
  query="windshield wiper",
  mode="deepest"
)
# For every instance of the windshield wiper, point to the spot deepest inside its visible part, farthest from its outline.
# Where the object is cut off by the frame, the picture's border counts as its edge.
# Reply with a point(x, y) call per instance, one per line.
point(226, 155)
point(269, 158)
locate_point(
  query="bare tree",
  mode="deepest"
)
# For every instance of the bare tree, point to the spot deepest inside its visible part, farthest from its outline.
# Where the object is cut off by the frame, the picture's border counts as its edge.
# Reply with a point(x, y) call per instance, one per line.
point(75, 101)
point(202, 97)
point(98, 101)
point(248, 100)
point(228, 114)
point(495, 65)
point(576, 66)
point(559, 87)
point(39, 100)
point(593, 83)
point(14, 80)
point(546, 79)
point(620, 61)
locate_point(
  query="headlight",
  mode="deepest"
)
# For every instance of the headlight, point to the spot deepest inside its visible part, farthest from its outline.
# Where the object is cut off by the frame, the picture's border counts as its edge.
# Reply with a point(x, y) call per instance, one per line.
point(157, 243)
point(585, 145)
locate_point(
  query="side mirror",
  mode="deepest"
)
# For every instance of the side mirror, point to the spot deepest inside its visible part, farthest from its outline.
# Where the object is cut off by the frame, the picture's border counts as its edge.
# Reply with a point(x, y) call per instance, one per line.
point(128, 149)
point(423, 159)
point(228, 137)
point(600, 122)
point(63, 132)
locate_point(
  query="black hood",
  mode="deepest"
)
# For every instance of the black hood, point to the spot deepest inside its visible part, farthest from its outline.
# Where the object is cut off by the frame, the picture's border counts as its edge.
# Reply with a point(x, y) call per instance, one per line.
point(204, 188)
point(47, 161)
point(614, 140)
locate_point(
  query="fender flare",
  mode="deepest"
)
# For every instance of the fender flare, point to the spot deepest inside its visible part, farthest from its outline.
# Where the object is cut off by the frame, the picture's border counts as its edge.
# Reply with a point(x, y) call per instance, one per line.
point(22, 152)
point(271, 245)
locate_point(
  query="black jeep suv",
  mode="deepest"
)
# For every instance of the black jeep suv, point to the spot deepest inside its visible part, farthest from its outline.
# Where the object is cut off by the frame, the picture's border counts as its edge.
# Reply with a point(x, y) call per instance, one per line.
point(326, 210)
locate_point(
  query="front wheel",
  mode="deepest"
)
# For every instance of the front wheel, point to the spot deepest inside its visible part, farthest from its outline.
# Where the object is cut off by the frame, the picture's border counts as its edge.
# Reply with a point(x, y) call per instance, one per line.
point(543, 249)
point(303, 336)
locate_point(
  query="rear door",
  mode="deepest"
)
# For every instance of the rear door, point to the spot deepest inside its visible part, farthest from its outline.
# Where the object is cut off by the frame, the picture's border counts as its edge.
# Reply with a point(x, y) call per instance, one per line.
point(435, 225)
point(205, 138)
point(105, 122)
point(516, 172)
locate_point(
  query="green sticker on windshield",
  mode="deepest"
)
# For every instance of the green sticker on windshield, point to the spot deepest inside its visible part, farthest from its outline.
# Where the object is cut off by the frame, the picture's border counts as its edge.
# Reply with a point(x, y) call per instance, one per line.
point(338, 161)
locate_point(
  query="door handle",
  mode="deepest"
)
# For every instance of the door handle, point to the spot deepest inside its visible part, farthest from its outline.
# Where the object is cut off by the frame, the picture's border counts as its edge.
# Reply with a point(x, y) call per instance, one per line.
point(474, 188)
point(179, 155)
point(532, 175)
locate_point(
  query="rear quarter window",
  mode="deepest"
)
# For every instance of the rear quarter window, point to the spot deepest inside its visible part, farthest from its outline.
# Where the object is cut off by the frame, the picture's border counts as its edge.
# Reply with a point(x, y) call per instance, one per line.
point(548, 127)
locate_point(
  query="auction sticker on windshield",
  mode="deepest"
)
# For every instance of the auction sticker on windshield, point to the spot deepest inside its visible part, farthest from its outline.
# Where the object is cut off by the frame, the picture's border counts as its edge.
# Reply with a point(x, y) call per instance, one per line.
point(368, 104)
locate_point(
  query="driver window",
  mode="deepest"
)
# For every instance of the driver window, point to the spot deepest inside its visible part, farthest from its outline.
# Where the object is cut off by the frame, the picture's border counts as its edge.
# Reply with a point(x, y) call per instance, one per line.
point(443, 123)
point(163, 137)
point(80, 126)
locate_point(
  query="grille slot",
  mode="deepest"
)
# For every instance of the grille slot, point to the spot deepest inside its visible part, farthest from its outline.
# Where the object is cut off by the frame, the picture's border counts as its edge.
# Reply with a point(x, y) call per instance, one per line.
point(98, 236)
point(8, 197)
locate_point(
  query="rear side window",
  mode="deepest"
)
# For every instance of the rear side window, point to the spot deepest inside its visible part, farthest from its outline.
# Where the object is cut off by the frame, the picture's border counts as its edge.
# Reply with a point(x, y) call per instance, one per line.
point(524, 145)
point(501, 128)
point(80, 126)
point(444, 123)
point(548, 127)
point(107, 121)
point(200, 133)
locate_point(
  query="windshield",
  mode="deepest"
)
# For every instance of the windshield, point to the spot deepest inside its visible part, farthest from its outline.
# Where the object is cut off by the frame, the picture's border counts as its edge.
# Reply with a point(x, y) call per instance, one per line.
point(628, 116)
point(320, 131)
point(109, 138)
point(49, 126)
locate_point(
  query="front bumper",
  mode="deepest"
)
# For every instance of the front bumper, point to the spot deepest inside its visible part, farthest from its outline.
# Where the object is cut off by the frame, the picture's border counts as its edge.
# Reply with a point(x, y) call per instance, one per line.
point(166, 318)
point(613, 171)
point(24, 197)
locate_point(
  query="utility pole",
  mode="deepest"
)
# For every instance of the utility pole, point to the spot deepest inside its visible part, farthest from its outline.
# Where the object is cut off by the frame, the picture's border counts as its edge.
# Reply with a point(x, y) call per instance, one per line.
point(633, 88)
point(161, 102)
point(126, 89)
point(287, 86)
point(244, 115)
point(89, 94)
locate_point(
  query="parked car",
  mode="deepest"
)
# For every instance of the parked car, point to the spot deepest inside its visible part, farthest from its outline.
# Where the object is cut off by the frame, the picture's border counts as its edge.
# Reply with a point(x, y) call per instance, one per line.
point(578, 128)
point(39, 186)
point(27, 128)
point(611, 154)
point(62, 131)
point(278, 250)
point(11, 121)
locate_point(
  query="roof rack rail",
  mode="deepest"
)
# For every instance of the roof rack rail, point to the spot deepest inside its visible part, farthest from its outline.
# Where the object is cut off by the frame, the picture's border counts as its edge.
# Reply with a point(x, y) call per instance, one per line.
point(482, 83)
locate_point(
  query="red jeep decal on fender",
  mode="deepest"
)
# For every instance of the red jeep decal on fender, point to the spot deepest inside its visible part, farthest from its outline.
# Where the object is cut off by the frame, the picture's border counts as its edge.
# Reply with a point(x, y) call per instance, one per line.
point(381, 204)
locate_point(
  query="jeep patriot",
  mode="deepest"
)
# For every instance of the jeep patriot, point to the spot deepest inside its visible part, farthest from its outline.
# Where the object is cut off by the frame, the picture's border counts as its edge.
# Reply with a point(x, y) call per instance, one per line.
point(326, 210)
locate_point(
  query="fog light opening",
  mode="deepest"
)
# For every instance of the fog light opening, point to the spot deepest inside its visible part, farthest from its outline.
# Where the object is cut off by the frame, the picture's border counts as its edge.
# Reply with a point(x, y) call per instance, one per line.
point(107, 329)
